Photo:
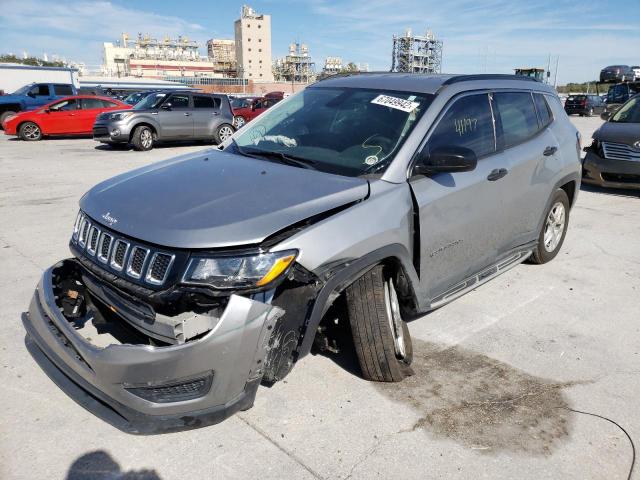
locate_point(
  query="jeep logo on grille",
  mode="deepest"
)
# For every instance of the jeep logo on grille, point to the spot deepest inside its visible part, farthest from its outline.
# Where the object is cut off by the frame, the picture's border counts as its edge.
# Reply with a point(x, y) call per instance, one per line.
point(109, 219)
point(637, 145)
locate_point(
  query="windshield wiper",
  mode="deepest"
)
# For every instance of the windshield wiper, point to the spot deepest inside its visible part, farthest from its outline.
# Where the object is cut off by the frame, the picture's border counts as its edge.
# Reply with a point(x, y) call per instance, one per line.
point(279, 156)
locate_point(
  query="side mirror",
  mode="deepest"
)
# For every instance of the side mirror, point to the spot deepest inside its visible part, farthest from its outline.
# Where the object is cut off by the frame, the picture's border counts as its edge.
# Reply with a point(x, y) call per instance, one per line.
point(446, 159)
point(47, 110)
point(166, 106)
point(605, 115)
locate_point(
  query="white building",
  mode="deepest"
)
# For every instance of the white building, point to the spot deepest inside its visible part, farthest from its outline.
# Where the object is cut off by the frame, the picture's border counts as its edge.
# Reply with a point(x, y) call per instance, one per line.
point(253, 45)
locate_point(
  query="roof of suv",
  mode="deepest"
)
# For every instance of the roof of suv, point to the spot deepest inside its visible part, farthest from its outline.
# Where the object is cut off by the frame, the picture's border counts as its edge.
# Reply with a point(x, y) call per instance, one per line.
point(418, 82)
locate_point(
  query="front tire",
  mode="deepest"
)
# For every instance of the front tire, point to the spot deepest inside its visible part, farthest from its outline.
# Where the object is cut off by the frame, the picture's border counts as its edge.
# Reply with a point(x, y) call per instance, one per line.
point(223, 132)
point(142, 138)
point(380, 336)
point(554, 229)
point(239, 122)
point(30, 132)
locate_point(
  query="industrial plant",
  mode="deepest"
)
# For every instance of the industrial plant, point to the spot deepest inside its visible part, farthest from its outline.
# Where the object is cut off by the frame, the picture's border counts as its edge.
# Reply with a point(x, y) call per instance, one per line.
point(416, 53)
point(295, 67)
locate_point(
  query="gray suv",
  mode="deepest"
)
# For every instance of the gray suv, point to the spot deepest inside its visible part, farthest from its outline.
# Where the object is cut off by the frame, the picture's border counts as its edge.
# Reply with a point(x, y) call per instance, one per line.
point(167, 116)
point(196, 279)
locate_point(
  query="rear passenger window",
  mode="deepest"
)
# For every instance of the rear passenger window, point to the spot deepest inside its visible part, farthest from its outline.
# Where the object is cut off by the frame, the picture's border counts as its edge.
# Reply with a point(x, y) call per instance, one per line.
point(90, 103)
point(203, 102)
point(63, 89)
point(517, 116)
point(544, 112)
point(468, 123)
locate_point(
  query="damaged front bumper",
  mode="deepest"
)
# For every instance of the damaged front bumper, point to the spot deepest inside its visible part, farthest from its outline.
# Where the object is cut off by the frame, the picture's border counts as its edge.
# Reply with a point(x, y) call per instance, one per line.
point(147, 389)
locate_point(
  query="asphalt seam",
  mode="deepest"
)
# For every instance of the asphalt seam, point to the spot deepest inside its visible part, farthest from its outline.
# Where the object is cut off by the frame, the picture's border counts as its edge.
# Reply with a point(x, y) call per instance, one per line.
point(289, 454)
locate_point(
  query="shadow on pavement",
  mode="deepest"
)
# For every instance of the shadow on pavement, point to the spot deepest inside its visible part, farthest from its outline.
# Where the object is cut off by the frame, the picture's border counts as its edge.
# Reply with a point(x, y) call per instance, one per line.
point(99, 465)
point(610, 191)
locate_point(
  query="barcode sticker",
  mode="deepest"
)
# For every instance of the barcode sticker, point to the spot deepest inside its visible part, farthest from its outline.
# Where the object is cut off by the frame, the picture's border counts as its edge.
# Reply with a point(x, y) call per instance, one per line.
point(395, 102)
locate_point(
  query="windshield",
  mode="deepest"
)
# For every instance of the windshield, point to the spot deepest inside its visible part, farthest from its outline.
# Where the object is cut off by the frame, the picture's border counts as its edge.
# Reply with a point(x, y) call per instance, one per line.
point(240, 102)
point(347, 131)
point(133, 98)
point(23, 90)
point(629, 112)
point(150, 101)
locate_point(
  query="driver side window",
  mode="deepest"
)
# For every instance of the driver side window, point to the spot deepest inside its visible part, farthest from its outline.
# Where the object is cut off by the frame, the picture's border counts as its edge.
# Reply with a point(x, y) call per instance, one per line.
point(64, 106)
point(467, 123)
point(40, 91)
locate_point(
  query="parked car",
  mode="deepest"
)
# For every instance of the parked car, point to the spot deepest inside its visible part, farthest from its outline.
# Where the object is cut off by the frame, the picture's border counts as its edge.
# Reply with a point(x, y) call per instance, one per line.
point(613, 159)
point(208, 274)
point(619, 94)
point(246, 109)
point(616, 73)
point(167, 116)
point(33, 96)
point(68, 116)
point(636, 72)
point(584, 105)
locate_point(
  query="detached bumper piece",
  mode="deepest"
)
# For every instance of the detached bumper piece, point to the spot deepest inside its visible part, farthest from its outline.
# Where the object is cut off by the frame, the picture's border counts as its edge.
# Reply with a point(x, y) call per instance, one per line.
point(610, 173)
point(145, 389)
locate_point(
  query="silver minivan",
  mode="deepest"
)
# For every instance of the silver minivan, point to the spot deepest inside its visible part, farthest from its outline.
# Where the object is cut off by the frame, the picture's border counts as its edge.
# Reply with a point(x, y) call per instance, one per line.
point(196, 279)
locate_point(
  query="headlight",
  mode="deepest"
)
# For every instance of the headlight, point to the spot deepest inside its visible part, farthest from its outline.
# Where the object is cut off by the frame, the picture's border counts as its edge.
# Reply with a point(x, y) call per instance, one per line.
point(247, 271)
point(119, 116)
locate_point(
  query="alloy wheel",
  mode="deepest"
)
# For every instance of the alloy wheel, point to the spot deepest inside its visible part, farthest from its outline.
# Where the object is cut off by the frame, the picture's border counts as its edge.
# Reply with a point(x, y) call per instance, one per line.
point(239, 122)
point(395, 320)
point(554, 227)
point(146, 138)
point(225, 132)
point(31, 131)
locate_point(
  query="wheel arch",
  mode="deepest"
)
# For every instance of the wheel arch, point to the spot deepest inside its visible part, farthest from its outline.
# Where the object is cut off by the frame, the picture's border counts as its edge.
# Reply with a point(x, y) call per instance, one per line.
point(153, 128)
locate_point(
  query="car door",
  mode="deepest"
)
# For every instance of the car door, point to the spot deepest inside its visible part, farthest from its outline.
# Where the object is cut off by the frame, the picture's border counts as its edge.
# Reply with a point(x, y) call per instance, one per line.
point(176, 117)
point(61, 117)
point(460, 213)
point(90, 108)
point(530, 150)
point(206, 111)
point(39, 95)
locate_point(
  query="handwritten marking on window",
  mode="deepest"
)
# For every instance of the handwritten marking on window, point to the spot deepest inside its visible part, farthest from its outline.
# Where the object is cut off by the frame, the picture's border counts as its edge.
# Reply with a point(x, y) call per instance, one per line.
point(465, 125)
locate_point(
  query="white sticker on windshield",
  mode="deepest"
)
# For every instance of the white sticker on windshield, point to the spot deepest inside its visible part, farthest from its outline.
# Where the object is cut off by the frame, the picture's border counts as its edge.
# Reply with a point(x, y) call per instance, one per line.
point(395, 102)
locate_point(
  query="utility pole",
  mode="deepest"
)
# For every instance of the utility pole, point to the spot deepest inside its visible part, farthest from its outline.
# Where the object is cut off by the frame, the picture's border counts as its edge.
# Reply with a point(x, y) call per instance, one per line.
point(548, 69)
point(555, 75)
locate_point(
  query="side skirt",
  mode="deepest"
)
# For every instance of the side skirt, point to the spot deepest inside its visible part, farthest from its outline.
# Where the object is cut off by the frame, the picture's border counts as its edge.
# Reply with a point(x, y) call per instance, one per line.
point(474, 281)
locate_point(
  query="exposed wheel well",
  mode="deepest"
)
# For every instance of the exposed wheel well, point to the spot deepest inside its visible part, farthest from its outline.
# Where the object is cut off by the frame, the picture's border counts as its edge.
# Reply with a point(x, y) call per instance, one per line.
point(570, 189)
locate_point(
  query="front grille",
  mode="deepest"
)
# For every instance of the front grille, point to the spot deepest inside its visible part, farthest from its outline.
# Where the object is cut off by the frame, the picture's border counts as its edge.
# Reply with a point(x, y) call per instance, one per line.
point(115, 253)
point(175, 392)
point(100, 132)
point(621, 178)
point(620, 151)
point(136, 261)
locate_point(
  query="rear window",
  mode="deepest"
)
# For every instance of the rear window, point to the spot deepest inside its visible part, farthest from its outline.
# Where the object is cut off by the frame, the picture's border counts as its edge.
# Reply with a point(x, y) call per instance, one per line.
point(542, 107)
point(517, 116)
point(63, 89)
point(203, 102)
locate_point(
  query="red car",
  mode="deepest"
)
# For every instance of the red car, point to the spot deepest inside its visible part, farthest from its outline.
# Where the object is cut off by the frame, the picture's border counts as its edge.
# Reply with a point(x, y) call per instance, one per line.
point(246, 109)
point(67, 116)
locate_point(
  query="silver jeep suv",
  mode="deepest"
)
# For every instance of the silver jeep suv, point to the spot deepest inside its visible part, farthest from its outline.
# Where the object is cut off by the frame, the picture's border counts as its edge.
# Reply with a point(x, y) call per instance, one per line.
point(167, 116)
point(194, 280)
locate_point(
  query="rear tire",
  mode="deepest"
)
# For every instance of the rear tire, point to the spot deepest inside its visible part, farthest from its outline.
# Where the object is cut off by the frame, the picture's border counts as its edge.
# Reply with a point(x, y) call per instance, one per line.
point(30, 132)
point(4, 116)
point(223, 132)
point(380, 336)
point(142, 138)
point(554, 229)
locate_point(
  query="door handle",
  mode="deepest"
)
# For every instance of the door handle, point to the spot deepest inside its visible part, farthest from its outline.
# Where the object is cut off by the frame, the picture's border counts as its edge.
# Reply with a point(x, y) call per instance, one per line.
point(497, 174)
point(186, 114)
point(549, 151)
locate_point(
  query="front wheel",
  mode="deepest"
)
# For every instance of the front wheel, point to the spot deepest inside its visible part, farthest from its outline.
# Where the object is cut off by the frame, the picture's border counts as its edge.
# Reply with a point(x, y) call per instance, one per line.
point(380, 336)
point(223, 132)
point(30, 132)
point(590, 112)
point(554, 229)
point(238, 122)
point(142, 138)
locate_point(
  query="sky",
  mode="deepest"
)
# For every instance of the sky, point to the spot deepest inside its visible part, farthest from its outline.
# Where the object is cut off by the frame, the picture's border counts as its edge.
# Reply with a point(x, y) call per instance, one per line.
point(491, 36)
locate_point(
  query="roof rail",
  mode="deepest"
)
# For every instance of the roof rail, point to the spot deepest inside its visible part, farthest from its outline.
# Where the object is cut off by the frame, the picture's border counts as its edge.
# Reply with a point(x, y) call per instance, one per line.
point(349, 74)
point(487, 76)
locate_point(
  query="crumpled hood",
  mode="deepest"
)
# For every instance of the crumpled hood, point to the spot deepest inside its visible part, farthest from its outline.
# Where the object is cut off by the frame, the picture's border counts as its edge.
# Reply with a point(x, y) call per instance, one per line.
point(215, 199)
point(627, 133)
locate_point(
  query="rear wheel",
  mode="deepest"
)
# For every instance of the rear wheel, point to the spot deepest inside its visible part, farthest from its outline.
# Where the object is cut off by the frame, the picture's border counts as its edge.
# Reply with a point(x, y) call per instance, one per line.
point(239, 121)
point(554, 229)
point(142, 138)
point(223, 132)
point(380, 336)
point(30, 132)
point(590, 112)
point(5, 115)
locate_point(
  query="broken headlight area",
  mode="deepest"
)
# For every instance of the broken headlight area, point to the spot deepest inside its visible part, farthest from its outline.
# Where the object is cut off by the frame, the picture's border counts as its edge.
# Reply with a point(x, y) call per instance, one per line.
point(104, 314)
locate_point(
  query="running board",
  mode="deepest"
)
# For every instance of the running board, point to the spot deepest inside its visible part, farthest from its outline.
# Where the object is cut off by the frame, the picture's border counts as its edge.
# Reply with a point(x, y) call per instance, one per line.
point(478, 279)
